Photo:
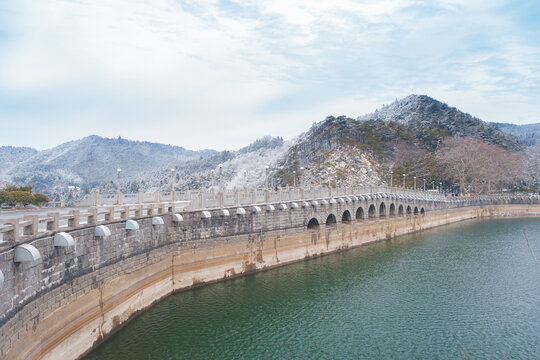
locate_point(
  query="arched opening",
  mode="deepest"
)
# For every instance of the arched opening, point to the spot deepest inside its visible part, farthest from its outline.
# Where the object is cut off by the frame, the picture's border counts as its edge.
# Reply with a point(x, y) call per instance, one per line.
point(382, 210)
point(422, 211)
point(416, 210)
point(331, 220)
point(346, 218)
point(313, 224)
point(400, 210)
point(409, 210)
point(392, 210)
point(360, 214)
point(371, 211)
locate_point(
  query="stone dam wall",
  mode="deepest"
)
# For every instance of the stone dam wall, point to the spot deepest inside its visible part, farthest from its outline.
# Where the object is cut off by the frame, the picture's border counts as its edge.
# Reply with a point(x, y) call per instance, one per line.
point(74, 297)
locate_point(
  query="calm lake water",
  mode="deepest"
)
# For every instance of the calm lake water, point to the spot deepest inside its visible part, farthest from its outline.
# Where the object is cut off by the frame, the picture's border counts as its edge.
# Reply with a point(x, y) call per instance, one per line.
point(468, 289)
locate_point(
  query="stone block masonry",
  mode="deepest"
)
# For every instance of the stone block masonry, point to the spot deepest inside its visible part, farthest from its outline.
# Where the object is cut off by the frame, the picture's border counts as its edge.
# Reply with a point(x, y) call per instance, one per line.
point(74, 297)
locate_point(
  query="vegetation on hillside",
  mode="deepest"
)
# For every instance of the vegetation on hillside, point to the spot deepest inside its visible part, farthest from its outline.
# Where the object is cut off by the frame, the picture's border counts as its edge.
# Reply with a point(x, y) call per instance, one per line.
point(22, 195)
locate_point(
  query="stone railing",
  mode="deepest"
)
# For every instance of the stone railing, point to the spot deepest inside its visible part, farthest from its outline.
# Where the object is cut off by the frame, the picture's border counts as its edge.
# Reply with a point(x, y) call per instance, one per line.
point(32, 226)
point(211, 198)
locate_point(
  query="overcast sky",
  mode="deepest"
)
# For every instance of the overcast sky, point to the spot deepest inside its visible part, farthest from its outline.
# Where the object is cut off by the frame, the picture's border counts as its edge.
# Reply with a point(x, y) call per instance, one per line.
point(220, 74)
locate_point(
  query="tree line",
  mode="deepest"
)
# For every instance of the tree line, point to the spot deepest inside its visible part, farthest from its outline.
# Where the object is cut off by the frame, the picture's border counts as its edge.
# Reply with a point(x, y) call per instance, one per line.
point(22, 195)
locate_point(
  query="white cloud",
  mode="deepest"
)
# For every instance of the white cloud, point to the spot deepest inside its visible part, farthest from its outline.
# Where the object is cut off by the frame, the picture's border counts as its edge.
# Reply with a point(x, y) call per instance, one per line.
point(208, 74)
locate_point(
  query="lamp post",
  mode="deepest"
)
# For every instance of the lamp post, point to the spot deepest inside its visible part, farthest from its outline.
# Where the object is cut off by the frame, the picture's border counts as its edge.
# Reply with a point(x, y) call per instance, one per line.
point(424, 184)
point(391, 177)
point(294, 178)
point(329, 171)
point(404, 181)
point(266, 169)
point(173, 193)
point(414, 183)
point(245, 177)
point(220, 177)
point(118, 194)
point(212, 181)
point(440, 187)
point(432, 184)
point(302, 176)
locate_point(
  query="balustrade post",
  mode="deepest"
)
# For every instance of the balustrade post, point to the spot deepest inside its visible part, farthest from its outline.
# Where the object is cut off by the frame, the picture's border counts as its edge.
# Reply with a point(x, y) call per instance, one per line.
point(124, 213)
point(138, 211)
point(74, 221)
point(92, 216)
point(201, 201)
point(13, 234)
point(109, 215)
point(52, 224)
point(32, 228)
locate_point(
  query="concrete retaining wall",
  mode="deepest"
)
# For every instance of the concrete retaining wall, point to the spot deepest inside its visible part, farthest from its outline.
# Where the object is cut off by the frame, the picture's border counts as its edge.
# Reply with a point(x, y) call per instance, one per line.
point(61, 306)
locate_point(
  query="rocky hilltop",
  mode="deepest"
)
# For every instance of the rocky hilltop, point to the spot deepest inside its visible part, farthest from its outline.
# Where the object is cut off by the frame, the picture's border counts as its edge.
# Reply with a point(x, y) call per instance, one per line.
point(429, 120)
point(374, 143)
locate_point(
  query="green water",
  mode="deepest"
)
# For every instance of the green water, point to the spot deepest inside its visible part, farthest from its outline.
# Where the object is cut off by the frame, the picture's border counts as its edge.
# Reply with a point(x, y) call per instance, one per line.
point(469, 289)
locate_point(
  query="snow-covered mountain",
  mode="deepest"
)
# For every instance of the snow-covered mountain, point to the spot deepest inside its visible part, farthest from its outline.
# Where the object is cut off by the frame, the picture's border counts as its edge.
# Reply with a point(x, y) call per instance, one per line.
point(10, 157)
point(94, 160)
point(337, 150)
point(529, 134)
point(431, 119)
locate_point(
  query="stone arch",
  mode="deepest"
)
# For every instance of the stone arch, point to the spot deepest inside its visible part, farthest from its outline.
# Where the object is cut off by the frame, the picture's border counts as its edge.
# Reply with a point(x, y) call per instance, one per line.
point(409, 210)
point(382, 209)
point(372, 213)
point(331, 220)
point(360, 213)
point(422, 211)
point(313, 224)
point(392, 210)
point(416, 210)
point(400, 210)
point(346, 217)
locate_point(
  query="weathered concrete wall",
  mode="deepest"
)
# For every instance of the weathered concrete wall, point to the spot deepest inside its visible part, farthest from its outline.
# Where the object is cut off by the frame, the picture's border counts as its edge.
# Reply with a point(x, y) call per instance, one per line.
point(75, 297)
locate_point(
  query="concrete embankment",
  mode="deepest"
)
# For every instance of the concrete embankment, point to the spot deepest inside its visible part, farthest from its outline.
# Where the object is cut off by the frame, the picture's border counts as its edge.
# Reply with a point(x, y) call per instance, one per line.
point(133, 270)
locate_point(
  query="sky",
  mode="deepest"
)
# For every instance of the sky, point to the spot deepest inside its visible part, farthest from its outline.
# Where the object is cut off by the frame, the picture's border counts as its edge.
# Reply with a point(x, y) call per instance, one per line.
point(220, 74)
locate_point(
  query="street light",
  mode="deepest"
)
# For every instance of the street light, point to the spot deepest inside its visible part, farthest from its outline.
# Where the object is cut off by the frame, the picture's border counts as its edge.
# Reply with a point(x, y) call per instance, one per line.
point(424, 184)
point(440, 187)
point(414, 183)
point(172, 185)
point(245, 181)
point(403, 181)
point(266, 170)
point(302, 176)
point(294, 179)
point(391, 177)
point(118, 195)
point(212, 182)
point(220, 176)
point(433, 185)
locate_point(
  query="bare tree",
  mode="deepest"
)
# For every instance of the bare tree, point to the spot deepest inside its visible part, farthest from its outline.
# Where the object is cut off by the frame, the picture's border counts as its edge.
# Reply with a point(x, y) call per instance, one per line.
point(478, 166)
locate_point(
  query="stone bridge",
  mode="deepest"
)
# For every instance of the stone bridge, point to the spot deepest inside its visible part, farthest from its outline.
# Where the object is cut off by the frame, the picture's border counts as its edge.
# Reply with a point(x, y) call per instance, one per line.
point(68, 278)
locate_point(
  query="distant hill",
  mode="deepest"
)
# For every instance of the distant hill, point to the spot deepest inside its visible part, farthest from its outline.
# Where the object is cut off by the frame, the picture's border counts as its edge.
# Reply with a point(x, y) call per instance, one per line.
point(339, 150)
point(529, 134)
point(10, 157)
point(94, 160)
